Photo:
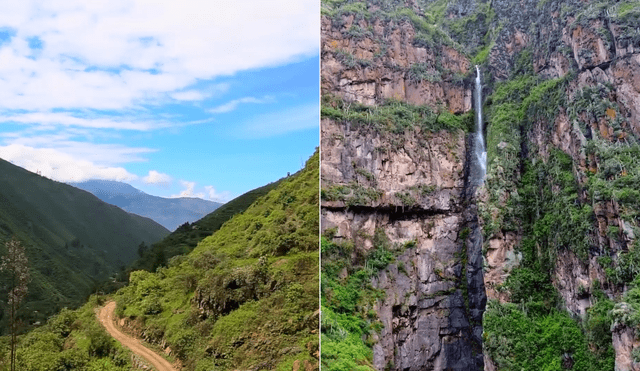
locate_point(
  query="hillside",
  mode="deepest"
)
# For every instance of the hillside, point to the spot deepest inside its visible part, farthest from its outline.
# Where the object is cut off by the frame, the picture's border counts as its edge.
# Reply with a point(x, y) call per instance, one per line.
point(247, 296)
point(168, 212)
point(428, 264)
point(73, 240)
point(187, 236)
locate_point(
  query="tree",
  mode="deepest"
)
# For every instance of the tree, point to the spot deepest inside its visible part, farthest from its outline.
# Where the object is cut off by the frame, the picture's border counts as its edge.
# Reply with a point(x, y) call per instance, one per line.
point(142, 248)
point(15, 264)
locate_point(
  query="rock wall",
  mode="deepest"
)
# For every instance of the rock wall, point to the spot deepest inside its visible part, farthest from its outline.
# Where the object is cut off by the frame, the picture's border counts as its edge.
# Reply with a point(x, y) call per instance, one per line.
point(376, 66)
point(595, 48)
point(431, 312)
point(434, 291)
point(430, 318)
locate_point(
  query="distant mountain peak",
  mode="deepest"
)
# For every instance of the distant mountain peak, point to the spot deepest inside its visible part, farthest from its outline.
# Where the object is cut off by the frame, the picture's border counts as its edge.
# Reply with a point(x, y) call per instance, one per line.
point(107, 186)
point(169, 212)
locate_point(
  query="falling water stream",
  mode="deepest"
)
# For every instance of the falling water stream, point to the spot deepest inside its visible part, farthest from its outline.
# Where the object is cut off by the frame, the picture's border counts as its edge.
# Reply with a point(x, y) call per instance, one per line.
point(477, 299)
point(479, 147)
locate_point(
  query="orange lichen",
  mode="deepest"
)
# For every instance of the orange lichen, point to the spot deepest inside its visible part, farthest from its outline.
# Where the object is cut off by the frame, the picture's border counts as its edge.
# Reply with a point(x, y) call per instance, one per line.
point(611, 113)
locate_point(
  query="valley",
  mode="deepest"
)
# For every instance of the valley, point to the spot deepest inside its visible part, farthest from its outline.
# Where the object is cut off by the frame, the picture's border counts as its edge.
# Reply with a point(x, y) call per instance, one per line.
point(168, 212)
point(245, 292)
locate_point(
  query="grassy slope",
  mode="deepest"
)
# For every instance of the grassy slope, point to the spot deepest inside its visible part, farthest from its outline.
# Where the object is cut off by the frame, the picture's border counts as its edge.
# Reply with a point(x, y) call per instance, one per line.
point(246, 296)
point(187, 236)
point(72, 239)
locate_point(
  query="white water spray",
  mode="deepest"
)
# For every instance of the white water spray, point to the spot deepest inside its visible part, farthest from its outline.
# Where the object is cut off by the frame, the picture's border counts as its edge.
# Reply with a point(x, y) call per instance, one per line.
point(479, 147)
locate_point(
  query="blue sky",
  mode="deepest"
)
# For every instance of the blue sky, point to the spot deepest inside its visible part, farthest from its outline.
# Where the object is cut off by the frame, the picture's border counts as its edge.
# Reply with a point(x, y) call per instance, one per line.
point(192, 99)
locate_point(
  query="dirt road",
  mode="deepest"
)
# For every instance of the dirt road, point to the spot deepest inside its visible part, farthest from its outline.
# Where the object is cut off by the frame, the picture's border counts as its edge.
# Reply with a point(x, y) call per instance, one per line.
point(107, 318)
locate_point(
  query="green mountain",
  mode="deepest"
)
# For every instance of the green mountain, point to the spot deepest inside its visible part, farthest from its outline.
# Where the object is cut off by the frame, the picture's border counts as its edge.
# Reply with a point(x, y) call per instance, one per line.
point(73, 240)
point(188, 235)
point(245, 298)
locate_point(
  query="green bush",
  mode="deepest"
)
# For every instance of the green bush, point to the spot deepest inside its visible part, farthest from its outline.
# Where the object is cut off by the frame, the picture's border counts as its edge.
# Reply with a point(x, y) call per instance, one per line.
point(394, 117)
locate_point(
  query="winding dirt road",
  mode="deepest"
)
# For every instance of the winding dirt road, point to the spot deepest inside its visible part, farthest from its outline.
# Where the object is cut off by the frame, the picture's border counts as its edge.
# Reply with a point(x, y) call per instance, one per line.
point(106, 317)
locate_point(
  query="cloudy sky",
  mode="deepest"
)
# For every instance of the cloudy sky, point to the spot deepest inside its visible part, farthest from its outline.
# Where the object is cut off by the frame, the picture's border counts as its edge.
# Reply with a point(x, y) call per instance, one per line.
point(202, 98)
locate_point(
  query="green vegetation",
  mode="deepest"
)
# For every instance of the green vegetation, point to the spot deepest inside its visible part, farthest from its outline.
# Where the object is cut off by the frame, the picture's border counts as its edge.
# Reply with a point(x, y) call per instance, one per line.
point(553, 216)
point(348, 320)
point(394, 116)
point(475, 32)
point(406, 198)
point(428, 30)
point(517, 340)
point(349, 60)
point(422, 71)
point(625, 8)
point(186, 237)
point(73, 240)
point(512, 109)
point(543, 199)
point(483, 54)
point(246, 296)
point(16, 266)
point(70, 340)
point(351, 194)
point(429, 34)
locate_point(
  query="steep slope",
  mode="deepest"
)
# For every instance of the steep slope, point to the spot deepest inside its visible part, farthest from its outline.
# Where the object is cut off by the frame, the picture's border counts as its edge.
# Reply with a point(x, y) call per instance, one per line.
point(247, 296)
point(187, 236)
point(558, 210)
point(402, 280)
point(168, 212)
point(560, 204)
point(73, 240)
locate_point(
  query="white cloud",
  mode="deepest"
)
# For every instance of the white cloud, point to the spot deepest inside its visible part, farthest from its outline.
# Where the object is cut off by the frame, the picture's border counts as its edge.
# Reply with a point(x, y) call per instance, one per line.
point(213, 195)
point(155, 177)
point(101, 154)
point(188, 190)
point(189, 95)
point(232, 105)
point(60, 166)
point(119, 54)
point(210, 193)
point(282, 122)
point(49, 119)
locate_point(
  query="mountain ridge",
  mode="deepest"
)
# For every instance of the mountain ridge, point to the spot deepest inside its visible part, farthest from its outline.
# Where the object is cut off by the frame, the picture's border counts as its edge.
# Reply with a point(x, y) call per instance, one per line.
point(169, 212)
point(73, 240)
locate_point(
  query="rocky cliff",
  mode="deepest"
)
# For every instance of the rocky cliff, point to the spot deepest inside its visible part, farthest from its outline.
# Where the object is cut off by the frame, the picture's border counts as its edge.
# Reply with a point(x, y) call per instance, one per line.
point(394, 147)
point(429, 314)
point(559, 207)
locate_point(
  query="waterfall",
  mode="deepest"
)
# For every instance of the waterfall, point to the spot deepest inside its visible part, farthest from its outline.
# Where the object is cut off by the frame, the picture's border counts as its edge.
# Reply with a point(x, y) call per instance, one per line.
point(479, 147)
point(473, 274)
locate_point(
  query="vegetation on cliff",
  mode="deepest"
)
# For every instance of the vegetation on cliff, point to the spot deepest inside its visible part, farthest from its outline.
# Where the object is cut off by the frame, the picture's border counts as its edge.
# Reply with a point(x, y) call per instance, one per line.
point(554, 197)
point(349, 323)
point(394, 116)
point(563, 176)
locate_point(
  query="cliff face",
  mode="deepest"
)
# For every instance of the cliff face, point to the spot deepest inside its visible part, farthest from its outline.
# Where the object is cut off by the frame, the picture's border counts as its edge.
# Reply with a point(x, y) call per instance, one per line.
point(370, 60)
point(426, 312)
point(583, 108)
point(410, 185)
point(560, 203)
